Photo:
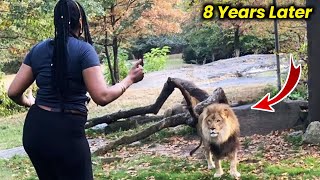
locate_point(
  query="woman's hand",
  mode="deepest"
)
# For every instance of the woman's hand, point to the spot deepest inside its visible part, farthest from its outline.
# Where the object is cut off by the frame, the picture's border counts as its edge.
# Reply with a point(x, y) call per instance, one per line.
point(31, 99)
point(136, 73)
point(100, 92)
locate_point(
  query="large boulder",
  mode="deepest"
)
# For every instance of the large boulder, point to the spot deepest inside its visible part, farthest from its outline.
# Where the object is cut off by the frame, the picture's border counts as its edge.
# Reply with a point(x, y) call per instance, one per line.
point(312, 134)
point(287, 115)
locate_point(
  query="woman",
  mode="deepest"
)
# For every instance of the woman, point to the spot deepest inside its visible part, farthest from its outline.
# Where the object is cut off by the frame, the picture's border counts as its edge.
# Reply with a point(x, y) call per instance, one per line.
point(64, 69)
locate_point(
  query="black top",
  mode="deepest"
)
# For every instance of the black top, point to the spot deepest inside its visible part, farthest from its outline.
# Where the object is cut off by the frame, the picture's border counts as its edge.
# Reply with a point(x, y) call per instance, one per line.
point(81, 56)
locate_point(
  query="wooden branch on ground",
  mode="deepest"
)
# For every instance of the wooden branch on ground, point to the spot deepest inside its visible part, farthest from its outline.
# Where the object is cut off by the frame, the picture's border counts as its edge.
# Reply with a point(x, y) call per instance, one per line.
point(218, 96)
point(131, 123)
point(184, 85)
point(172, 121)
point(165, 123)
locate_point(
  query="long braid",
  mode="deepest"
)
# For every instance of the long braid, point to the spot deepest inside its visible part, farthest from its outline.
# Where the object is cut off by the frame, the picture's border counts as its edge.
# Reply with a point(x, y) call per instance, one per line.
point(85, 26)
point(66, 19)
point(60, 57)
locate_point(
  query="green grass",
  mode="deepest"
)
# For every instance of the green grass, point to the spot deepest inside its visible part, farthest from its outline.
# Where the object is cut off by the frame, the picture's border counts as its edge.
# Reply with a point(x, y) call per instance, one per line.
point(17, 168)
point(305, 167)
point(11, 131)
point(162, 167)
point(296, 141)
point(175, 61)
point(165, 167)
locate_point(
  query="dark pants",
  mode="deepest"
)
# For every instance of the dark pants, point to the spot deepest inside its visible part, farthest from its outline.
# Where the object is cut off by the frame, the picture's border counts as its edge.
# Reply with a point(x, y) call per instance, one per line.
point(57, 146)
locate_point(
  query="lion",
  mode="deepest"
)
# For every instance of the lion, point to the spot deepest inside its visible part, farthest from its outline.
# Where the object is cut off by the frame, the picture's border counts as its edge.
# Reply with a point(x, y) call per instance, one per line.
point(219, 130)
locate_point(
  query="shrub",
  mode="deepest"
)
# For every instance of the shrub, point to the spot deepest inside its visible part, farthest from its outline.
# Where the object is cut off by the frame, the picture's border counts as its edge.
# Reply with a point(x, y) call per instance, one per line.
point(211, 42)
point(7, 106)
point(156, 59)
point(255, 45)
point(141, 46)
point(123, 66)
point(207, 44)
point(11, 67)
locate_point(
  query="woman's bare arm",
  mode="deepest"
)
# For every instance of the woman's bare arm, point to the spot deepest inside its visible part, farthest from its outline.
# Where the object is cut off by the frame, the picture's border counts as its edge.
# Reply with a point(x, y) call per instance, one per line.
point(103, 94)
point(21, 82)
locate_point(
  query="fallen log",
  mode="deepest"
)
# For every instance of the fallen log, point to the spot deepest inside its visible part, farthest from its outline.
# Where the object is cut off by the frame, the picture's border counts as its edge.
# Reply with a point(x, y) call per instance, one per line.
point(172, 121)
point(131, 123)
point(186, 87)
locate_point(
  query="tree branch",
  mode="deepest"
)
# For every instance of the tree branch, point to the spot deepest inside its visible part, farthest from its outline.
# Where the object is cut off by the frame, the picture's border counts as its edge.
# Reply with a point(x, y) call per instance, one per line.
point(154, 109)
point(172, 121)
point(165, 123)
point(167, 89)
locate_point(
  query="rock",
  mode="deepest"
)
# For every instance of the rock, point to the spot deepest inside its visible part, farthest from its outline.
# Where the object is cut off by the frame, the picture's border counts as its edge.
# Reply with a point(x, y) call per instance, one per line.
point(9, 153)
point(100, 127)
point(312, 134)
point(286, 116)
point(137, 143)
point(296, 134)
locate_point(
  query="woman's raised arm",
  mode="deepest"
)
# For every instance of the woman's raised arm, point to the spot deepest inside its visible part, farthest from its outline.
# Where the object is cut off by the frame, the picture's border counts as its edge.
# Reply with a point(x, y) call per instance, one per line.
point(103, 94)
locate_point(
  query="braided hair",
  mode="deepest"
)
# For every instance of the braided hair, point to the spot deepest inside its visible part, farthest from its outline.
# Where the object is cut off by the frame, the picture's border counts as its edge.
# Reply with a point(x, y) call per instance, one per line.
point(69, 16)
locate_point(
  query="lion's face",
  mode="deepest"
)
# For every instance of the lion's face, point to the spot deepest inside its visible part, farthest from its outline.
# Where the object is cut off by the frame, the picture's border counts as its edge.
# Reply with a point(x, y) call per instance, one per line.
point(215, 124)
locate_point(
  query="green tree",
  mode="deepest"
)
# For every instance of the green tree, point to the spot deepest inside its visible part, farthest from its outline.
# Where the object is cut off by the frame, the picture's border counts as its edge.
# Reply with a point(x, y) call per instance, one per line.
point(22, 24)
point(116, 22)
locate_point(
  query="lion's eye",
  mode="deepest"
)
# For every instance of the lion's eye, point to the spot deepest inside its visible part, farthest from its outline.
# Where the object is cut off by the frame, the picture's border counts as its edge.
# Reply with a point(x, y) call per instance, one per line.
point(218, 120)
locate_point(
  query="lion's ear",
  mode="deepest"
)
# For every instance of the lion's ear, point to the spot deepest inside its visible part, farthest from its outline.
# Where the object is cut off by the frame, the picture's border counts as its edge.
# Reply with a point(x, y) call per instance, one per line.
point(226, 112)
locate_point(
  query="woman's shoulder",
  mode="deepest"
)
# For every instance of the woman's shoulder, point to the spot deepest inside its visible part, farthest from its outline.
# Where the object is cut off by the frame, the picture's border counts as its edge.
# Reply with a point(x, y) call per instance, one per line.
point(79, 42)
point(43, 43)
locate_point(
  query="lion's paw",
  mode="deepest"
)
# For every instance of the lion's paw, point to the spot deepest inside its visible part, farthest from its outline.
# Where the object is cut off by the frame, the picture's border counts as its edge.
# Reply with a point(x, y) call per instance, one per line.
point(218, 174)
point(235, 174)
point(211, 166)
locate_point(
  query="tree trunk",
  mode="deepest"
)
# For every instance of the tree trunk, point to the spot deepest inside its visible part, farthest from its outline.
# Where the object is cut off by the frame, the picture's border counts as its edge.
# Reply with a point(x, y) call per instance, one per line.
point(116, 60)
point(313, 27)
point(115, 46)
point(107, 51)
point(237, 41)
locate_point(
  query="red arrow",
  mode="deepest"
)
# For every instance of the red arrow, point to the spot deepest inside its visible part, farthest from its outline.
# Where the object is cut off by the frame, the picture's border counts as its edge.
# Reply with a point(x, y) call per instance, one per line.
point(292, 81)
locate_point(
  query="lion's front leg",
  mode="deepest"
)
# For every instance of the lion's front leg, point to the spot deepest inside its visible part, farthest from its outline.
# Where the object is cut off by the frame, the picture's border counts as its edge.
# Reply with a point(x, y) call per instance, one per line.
point(233, 165)
point(219, 171)
point(209, 158)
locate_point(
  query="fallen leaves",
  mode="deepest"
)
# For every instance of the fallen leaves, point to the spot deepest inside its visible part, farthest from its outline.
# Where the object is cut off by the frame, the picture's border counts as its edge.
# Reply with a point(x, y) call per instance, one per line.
point(256, 150)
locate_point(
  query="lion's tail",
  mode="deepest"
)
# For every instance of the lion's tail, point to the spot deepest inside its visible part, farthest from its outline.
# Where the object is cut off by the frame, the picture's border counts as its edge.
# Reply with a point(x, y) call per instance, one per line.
point(194, 150)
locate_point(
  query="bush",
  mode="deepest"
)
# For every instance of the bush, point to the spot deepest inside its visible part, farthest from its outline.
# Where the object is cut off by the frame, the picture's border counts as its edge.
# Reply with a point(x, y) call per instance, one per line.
point(143, 45)
point(123, 66)
point(11, 67)
point(7, 106)
point(156, 59)
point(207, 44)
point(254, 45)
point(211, 43)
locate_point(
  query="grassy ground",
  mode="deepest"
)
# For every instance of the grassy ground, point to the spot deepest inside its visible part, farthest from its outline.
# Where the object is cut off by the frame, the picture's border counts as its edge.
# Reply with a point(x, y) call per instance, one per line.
point(163, 167)
point(11, 131)
point(280, 158)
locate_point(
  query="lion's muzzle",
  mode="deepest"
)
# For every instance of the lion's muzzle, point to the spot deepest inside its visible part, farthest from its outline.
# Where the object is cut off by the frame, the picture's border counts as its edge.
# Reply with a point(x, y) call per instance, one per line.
point(213, 133)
